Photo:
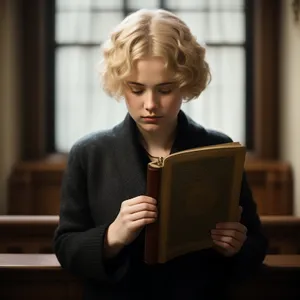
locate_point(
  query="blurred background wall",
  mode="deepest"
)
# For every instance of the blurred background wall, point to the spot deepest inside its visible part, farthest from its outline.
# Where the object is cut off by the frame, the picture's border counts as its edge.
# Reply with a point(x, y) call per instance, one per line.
point(9, 94)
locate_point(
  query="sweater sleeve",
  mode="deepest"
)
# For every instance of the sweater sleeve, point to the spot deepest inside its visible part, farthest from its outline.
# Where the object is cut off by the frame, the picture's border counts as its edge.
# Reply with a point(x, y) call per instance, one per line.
point(250, 258)
point(77, 243)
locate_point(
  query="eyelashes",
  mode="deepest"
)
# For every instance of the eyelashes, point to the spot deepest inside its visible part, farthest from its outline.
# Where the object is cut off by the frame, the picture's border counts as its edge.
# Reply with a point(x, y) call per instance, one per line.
point(137, 92)
point(163, 92)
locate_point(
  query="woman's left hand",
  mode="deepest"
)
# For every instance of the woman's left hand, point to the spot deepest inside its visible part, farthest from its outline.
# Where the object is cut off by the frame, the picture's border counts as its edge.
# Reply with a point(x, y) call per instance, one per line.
point(229, 237)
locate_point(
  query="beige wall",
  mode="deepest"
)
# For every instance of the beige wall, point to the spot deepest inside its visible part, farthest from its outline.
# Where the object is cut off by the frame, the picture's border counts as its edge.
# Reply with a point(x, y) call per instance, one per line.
point(290, 95)
point(9, 94)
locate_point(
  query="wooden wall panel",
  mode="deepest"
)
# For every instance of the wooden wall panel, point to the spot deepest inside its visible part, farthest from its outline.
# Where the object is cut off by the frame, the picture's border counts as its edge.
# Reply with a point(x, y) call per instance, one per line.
point(271, 183)
point(34, 187)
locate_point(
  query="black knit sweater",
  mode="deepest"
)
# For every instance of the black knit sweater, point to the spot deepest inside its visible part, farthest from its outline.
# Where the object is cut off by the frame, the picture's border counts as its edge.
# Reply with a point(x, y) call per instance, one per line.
point(108, 167)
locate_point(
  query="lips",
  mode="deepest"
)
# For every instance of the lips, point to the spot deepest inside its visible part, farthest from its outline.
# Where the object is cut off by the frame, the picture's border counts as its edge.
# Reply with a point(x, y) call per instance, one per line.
point(151, 119)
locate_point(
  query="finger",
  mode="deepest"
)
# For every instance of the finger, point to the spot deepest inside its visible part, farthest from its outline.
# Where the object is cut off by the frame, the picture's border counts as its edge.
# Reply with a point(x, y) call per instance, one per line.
point(141, 199)
point(239, 236)
point(233, 226)
point(223, 247)
point(140, 207)
point(141, 222)
point(142, 215)
point(235, 244)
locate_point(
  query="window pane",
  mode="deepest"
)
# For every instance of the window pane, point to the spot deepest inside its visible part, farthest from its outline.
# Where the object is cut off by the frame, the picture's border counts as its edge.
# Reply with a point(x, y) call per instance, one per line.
point(85, 5)
point(111, 4)
point(226, 4)
point(103, 24)
point(74, 5)
point(72, 27)
point(137, 4)
point(85, 27)
point(186, 4)
point(197, 22)
point(226, 27)
point(205, 4)
point(222, 104)
point(216, 26)
point(81, 106)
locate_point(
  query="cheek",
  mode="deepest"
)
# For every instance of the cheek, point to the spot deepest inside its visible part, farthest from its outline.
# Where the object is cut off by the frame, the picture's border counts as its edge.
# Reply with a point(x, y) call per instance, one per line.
point(174, 102)
point(128, 98)
point(132, 102)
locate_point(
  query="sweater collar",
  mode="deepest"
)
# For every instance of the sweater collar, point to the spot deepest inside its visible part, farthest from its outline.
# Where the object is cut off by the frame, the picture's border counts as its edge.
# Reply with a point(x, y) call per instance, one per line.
point(185, 136)
point(129, 154)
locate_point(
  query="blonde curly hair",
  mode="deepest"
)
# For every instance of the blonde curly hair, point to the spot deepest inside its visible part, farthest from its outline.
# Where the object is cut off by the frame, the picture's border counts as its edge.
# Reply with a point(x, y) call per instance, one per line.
point(154, 33)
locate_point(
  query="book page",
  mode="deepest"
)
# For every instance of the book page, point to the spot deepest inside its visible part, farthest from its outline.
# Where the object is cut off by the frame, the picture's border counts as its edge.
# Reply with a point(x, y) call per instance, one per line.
point(199, 198)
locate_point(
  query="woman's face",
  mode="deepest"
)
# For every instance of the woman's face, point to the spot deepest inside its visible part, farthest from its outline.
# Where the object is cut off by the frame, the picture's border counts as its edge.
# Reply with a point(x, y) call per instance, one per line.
point(152, 97)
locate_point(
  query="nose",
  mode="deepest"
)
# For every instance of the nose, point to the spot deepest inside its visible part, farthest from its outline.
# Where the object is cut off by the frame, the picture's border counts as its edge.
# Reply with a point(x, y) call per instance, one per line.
point(150, 102)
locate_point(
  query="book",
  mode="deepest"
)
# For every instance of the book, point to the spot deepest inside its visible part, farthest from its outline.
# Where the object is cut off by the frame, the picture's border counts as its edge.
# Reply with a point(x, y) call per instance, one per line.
point(194, 189)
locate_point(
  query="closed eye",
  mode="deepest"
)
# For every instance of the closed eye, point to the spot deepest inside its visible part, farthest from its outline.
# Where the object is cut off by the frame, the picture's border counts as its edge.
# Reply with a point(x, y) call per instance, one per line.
point(165, 92)
point(163, 89)
point(136, 92)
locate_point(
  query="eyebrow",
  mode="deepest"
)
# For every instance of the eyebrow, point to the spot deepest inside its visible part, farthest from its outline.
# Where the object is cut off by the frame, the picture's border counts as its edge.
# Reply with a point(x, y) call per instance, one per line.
point(160, 84)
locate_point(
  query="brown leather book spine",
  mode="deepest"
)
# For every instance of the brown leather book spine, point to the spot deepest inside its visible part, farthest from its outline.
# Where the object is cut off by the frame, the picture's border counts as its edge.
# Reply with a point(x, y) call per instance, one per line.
point(151, 233)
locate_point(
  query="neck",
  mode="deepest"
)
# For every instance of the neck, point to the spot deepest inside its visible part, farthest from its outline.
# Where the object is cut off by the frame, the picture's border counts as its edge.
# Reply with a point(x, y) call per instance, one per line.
point(159, 143)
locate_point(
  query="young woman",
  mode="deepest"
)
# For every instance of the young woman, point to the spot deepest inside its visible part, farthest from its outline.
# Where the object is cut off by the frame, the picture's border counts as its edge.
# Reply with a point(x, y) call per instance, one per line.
point(154, 62)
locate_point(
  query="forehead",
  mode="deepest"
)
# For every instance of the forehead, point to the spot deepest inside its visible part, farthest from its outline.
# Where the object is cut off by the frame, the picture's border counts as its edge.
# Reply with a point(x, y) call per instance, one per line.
point(150, 71)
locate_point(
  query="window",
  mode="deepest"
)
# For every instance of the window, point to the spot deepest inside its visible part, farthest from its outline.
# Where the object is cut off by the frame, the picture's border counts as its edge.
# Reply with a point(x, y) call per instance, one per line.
point(82, 25)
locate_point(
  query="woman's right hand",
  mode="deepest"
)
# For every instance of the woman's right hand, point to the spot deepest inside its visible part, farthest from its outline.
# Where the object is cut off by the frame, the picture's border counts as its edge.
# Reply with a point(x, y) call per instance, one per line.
point(134, 214)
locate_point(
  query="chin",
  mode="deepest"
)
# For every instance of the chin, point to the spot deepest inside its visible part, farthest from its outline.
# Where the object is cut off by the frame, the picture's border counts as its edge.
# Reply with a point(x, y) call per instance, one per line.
point(149, 127)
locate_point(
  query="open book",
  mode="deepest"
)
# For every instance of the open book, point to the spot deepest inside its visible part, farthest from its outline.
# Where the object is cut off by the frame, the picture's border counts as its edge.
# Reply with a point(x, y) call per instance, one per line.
point(195, 189)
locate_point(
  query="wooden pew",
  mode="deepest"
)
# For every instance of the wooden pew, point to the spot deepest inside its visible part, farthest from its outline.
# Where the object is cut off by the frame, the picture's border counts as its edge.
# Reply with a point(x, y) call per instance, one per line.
point(283, 234)
point(39, 276)
point(27, 234)
point(34, 234)
point(36, 276)
point(279, 279)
